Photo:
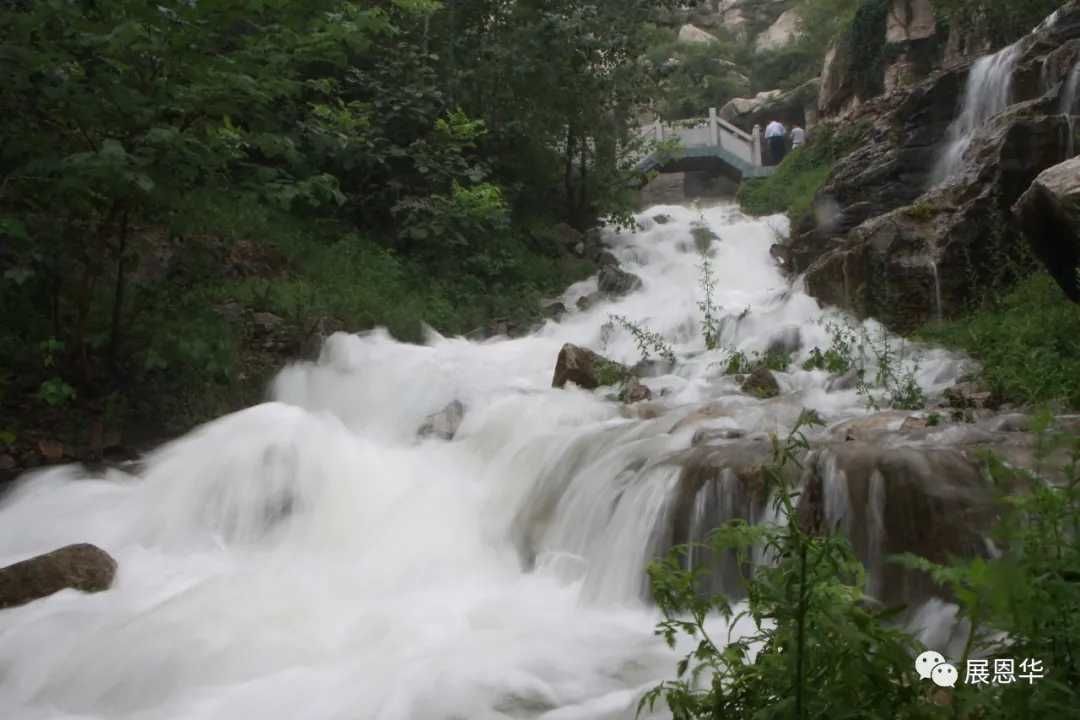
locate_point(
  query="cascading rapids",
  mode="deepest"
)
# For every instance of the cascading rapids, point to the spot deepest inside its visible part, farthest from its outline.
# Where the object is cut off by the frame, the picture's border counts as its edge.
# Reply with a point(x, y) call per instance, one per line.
point(311, 558)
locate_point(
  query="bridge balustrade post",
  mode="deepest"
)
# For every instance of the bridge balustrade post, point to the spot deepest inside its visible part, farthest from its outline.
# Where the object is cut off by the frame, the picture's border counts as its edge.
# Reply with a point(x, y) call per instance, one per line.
point(714, 129)
point(755, 146)
point(659, 129)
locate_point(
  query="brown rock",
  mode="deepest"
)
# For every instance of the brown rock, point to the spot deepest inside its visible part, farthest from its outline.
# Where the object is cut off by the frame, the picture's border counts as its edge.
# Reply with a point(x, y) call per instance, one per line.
point(51, 450)
point(761, 383)
point(81, 567)
point(635, 391)
point(584, 368)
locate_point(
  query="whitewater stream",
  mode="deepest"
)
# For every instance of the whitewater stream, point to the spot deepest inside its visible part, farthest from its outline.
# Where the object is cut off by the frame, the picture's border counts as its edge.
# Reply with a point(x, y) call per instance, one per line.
point(311, 558)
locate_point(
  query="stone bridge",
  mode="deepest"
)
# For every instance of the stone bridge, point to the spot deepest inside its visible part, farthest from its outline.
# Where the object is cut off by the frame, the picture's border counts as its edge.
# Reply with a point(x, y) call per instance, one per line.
point(706, 144)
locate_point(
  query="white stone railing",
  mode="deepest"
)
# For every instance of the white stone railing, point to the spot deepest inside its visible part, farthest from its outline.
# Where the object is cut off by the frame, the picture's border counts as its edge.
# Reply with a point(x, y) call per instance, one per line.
point(710, 132)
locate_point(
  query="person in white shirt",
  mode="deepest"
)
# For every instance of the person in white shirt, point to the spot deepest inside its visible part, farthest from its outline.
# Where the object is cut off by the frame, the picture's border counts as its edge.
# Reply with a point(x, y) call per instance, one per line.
point(774, 139)
point(798, 137)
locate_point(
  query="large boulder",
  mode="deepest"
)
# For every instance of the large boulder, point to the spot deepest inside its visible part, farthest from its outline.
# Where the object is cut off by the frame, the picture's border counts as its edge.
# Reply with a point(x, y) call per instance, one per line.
point(614, 281)
point(797, 106)
point(910, 20)
point(761, 383)
point(741, 18)
point(781, 33)
point(1049, 216)
point(80, 567)
point(585, 368)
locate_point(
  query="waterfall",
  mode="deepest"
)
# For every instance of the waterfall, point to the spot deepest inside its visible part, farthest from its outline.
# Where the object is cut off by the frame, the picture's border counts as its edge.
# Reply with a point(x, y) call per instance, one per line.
point(937, 290)
point(988, 92)
point(1068, 105)
point(312, 557)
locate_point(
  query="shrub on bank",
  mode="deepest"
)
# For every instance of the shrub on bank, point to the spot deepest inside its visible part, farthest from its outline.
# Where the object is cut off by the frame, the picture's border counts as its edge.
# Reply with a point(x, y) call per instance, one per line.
point(1028, 342)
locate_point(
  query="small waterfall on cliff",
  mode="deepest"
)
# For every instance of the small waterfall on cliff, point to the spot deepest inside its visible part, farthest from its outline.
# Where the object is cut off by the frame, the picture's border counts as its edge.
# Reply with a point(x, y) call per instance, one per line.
point(987, 93)
point(311, 557)
point(1069, 105)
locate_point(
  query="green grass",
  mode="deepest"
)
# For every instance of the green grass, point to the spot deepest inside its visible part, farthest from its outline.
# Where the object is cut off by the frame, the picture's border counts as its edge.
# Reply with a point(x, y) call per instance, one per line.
point(1028, 343)
point(792, 187)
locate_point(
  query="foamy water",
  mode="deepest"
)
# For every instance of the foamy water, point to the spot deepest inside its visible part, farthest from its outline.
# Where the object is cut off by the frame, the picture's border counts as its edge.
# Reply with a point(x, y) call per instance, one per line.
point(311, 558)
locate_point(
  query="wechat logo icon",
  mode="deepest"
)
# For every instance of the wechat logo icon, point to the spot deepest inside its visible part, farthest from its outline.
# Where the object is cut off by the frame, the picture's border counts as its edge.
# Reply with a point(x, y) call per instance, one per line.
point(932, 666)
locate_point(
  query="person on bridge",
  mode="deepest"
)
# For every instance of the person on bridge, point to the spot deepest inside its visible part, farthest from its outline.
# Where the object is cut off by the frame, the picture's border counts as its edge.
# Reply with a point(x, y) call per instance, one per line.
point(775, 138)
point(798, 137)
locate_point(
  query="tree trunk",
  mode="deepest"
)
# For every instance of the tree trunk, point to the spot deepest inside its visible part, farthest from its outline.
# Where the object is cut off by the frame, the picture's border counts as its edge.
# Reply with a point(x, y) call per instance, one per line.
point(568, 173)
point(118, 295)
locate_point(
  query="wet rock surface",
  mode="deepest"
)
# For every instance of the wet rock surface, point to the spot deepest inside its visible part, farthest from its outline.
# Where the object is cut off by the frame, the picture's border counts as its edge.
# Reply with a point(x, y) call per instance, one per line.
point(443, 424)
point(893, 482)
point(897, 267)
point(761, 383)
point(614, 281)
point(80, 567)
point(585, 368)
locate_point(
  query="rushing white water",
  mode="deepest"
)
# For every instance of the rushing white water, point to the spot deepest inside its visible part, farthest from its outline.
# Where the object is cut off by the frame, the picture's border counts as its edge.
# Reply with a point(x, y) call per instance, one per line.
point(988, 92)
point(310, 558)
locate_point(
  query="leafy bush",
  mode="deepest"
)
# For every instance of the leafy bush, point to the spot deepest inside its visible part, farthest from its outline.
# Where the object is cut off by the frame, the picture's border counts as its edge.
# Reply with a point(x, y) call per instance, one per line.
point(1028, 342)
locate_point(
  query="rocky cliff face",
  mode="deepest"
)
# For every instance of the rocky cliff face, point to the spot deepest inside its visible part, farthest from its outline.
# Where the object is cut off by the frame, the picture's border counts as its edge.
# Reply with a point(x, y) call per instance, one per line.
point(912, 47)
point(883, 241)
point(743, 18)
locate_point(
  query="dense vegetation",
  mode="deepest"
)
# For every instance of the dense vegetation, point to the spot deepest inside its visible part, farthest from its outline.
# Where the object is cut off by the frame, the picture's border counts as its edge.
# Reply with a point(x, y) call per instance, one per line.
point(173, 170)
point(1028, 341)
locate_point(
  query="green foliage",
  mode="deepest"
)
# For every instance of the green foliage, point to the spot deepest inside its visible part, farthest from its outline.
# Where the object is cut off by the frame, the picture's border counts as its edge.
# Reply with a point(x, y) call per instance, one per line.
point(398, 154)
point(885, 373)
point(1028, 342)
point(819, 649)
point(694, 76)
point(739, 363)
point(792, 187)
point(610, 373)
point(866, 51)
point(55, 392)
point(648, 341)
point(710, 328)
